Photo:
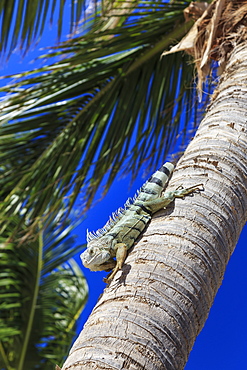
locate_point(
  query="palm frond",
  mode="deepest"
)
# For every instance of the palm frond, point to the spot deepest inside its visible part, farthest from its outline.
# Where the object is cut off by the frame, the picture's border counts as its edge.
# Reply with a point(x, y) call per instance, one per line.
point(59, 323)
point(41, 297)
point(22, 22)
point(109, 104)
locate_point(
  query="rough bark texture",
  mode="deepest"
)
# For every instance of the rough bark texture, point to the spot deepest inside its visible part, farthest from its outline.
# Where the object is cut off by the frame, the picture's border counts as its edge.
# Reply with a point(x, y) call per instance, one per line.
point(151, 314)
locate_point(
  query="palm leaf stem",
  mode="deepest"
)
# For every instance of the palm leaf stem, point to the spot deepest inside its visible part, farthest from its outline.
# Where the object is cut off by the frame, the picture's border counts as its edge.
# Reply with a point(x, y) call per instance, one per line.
point(161, 45)
point(34, 301)
point(44, 154)
point(112, 78)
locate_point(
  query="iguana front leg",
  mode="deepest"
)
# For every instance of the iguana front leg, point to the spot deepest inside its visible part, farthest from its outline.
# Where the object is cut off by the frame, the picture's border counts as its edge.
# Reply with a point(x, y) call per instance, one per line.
point(121, 253)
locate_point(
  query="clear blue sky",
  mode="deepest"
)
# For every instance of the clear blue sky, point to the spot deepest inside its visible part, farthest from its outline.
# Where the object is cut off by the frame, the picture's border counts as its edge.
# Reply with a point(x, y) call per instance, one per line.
point(222, 343)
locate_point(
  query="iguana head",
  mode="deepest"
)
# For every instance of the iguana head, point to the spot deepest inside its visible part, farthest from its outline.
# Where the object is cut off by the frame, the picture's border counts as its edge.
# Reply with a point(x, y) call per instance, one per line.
point(97, 256)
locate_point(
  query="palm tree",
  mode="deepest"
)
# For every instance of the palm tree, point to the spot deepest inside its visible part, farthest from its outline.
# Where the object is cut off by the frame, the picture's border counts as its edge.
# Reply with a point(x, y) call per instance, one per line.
point(85, 111)
point(43, 292)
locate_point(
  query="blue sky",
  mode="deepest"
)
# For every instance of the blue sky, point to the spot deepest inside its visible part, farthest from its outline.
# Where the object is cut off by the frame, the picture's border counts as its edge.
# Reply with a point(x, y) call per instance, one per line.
point(222, 343)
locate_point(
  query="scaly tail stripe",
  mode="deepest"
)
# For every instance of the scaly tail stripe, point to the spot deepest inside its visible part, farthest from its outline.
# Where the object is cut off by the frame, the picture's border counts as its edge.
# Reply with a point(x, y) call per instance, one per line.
point(156, 180)
point(148, 191)
point(165, 170)
point(156, 183)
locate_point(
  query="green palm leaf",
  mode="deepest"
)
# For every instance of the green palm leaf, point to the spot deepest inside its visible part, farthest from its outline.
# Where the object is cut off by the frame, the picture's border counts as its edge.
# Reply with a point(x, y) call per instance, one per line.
point(107, 106)
point(41, 297)
point(23, 21)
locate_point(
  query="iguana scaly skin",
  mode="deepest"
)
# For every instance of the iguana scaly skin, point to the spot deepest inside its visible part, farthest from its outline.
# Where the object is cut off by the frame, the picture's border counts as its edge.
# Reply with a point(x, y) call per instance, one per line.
point(126, 224)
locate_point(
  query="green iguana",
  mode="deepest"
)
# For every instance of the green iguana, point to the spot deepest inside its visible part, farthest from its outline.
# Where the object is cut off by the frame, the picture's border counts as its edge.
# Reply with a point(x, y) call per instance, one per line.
point(126, 224)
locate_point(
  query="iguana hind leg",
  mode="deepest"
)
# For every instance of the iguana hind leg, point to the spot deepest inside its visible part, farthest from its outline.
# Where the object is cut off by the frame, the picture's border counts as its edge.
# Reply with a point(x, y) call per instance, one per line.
point(169, 196)
point(180, 192)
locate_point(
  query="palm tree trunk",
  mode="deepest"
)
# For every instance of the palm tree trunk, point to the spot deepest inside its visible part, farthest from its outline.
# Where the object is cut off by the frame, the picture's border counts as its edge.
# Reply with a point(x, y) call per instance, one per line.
point(151, 314)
